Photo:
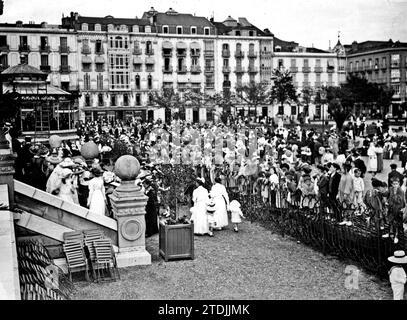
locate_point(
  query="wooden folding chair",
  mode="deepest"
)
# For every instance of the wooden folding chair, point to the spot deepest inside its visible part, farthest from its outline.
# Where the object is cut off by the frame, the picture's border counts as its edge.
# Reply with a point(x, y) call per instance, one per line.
point(105, 259)
point(90, 236)
point(74, 236)
point(75, 257)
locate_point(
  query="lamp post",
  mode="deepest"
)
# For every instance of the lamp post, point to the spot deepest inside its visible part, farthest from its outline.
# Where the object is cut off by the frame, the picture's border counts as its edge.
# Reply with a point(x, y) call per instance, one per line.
point(323, 100)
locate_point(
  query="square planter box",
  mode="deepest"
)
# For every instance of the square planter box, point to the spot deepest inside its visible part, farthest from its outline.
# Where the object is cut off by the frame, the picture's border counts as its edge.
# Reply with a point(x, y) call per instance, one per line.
point(176, 241)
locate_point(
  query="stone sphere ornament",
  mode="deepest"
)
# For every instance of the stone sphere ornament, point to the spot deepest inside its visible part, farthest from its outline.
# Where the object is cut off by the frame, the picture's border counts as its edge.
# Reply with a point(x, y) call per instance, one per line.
point(90, 150)
point(127, 168)
point(55, 141)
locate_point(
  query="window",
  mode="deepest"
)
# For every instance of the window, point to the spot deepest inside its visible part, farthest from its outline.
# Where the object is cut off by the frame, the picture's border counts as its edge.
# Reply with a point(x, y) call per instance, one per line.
point(86, 82)
point(237, 33)
point(370, 63)
point(138, 99)
point(207, 31)
point(119, 61)
point(251, 33)
point(87, 100)
point(99, 81)
point(306, 79)
point(225, 46)
point(293, 62)
point(125, 99)
point(63, 42)
point(165, 29)
point(384, 62)
point(193, 30)
point(251, 78)
point(44, 43)
point(318, 62)
point(119, 80)
point(150, 98)
point(100, 67)
point(179, 30)
point(306, 63)
point(376, 63)
point(239, 80)
point(363, 64)
point(23, 41)
point(100, 100)
point(150, 82)
point(3, 41)
point(98, 46)
point(330, 83)
point(64, 60)
point(98, 27)
point(149, 47)
point(395, 75)
point(396, 89)
point(118, 42)
point(350, 66)
point(357, 65)
point(113, 100)
point(137, 82)
point(44, 60)
point(225, 77)
point(3, 61)
point(293, 110)
point(194, 61)
point(226, 62)
point(318, 79)
point(167, 64)
point(281, 64)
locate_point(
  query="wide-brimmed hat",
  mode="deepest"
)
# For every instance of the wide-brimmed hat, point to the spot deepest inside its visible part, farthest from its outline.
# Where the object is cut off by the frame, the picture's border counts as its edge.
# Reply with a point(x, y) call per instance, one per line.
point(68, 163)
point(53, 158)
point(398, 257)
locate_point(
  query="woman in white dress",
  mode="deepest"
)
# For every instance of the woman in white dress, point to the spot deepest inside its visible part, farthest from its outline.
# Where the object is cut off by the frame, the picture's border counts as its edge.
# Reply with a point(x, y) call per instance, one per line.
point(372, 163)
point(222, 204)
point(67, 190)
point(200, 197)
point(97, 195)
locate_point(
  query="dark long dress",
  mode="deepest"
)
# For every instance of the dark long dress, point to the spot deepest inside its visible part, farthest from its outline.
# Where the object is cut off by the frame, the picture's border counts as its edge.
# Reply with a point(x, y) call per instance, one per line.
point(151, 213)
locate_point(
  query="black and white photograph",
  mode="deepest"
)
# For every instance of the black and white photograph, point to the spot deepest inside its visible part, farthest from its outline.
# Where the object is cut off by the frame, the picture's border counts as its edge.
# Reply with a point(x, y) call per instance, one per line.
point(185, 150)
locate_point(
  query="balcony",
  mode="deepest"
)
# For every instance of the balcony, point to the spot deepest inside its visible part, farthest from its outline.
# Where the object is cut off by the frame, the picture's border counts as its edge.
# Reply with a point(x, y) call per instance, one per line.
point(182, 70)
point(149, 52)
point(318, 84)
point(293, 69)
point(306, 84)
point(253, 69)
point(64, 49)
point(85, 50)
point(225, 69)
point(167, 54)
point(306, 69)
point(226, 53)
point(100, 51)
point(45, 49)
point(208, 53)
point(100, 68)
point(239, 69)
point(167, 70)
point(195, 53)
point(24, 48)
point(137, 51)
point(318, 69)
point(239, 54)
point(182, 53)
point(5, 48)
point(196, 69)
point(87, 68)
point(150, 68)
point(369, 69)
point(45, 68)
point(64, 69)
point(252, 54)
point(209, 69)
point(209, 85)
point(266, 54)
point(331, 70)
point(383, 67)
point(227, 84)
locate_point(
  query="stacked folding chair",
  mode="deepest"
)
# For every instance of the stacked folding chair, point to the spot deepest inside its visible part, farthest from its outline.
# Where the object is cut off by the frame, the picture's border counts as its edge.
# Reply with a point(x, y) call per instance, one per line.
point(89, 237)
point(105, 260)
point(75, 254)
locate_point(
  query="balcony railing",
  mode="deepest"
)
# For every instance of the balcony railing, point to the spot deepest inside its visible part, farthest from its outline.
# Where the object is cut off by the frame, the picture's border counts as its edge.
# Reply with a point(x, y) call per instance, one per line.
point(64, 69)
point(64, 49)
point(100, 68)
point(208, 53)
point(294, 69)
point(209, 85)
point(182, 70)
point(306, 69)
point(85, 50)
point(167, 54)
point(5, 48)
point(137, 51)
point(150, 68)
point(266, 54)
point(182, 53)
point(150, 52)
point(195, 53)
point(227, 84)
point(239, 54)
point(87, 68)
point(252, 54)
point(209, 69)
point(253, 69)
point(318, 69)
point(195, 69)
point(331, 70)
point(44, 48)
point(24, 48)
point(225, 53)
point(239, 69)
point(100, 51)
point(225, 69)
point(45, 68)
point(167, 70)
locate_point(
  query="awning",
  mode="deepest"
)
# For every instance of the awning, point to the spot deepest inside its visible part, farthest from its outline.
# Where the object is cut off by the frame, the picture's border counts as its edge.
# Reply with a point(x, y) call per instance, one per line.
point(99, 59)
point(150, 60)
point(86, 59)
point(195, 45)
point(137, 60)
point(181, 45)
point(330, 63)
point(167, 45)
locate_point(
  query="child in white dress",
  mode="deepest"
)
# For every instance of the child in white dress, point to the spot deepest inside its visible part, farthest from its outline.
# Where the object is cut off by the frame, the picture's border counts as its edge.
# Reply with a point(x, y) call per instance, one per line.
point(236, 213)
point(210, 210)
point(397, 275)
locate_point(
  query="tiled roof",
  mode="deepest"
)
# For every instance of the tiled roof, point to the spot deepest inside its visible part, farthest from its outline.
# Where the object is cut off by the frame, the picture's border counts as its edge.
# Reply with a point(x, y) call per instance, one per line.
point(286, 46)
point(224, 30)
point(373, 45)
point(181, 19)
point(111, 20)
point(316, 50)
point(23, 69)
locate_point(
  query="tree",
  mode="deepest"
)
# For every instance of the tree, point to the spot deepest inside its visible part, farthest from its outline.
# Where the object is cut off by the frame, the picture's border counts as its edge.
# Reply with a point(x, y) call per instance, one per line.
point(167, 99)
point(307, 94)
point(254, 94)
point(283, 89)
point(224, 100)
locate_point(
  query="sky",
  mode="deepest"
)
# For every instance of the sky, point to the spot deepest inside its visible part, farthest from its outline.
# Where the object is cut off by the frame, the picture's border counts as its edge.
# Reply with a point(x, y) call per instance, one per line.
point(308, 22)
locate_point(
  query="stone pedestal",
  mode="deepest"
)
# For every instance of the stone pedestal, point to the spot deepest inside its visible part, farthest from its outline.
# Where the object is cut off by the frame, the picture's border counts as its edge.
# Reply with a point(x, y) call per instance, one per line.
point(128, 204)
point(7, 168)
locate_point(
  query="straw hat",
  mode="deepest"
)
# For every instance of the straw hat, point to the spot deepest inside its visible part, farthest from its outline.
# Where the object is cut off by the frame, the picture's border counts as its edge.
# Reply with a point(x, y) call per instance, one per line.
point(398, 257)
point(68, 163)
point(54, 158)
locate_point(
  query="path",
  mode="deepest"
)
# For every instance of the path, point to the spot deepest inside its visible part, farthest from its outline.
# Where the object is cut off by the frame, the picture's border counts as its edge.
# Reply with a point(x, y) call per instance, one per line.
point(251, 264)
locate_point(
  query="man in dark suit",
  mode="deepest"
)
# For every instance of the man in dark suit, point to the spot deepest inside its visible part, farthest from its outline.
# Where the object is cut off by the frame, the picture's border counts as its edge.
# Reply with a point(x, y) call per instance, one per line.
point(323, 188)
point(334, 180)
point(359, 163)
point(394, 174)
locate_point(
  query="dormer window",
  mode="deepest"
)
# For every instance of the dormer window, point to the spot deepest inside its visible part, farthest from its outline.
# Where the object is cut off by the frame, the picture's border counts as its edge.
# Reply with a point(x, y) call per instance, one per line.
point(193, 30)
point(166, 29)
point(278, 48)
point(251, 33)
point(148, 29)
point(85, 27)
point(98, 27)
point(136, 29)
point(237, 33)
point(207, 31)
point(179, 30)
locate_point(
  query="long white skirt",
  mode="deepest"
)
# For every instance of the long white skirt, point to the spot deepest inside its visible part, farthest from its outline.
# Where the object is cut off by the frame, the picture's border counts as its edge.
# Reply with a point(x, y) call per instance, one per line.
point(200, 218)
point(97, 203)
point(221, 214)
